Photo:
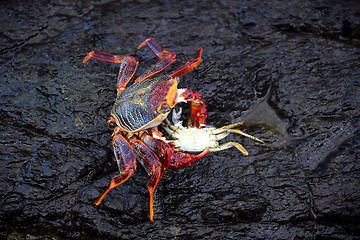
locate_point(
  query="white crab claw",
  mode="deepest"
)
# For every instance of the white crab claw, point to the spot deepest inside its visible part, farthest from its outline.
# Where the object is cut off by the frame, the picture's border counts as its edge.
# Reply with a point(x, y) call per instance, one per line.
point(176, 116)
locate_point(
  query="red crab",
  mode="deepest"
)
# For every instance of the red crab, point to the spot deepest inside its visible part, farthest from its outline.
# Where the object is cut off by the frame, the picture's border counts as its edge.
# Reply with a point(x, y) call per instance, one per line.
point(140, 108)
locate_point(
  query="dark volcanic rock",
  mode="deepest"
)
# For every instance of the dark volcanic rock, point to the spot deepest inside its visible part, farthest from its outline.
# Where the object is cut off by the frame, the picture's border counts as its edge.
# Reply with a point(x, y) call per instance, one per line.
point(289, 68)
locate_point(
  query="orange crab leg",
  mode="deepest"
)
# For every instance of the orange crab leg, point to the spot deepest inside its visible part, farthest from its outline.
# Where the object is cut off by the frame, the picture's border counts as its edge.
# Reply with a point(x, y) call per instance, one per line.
point(127, 69)
point(166, 58)
point(116, 181)
point(154, 47)
point(152, 165)
point(126, 161)
point(106, 57)
point(189, 66)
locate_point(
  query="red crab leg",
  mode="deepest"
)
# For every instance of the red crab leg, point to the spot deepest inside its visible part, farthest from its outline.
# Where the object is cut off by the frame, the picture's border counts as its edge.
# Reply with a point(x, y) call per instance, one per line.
point(171, 159)
point(127, 68)
point(182, 160)
point(152, 166)
point(166, 58)
point(189, 66)
point(125, 158)
point(159, 147)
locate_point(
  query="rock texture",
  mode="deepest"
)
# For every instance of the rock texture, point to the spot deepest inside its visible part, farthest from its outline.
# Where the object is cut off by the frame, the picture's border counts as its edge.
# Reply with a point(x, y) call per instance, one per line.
point(289, 68)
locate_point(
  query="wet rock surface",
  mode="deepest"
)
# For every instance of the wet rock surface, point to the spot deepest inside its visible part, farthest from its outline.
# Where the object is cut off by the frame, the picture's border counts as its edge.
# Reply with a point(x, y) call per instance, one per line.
point(290, 69)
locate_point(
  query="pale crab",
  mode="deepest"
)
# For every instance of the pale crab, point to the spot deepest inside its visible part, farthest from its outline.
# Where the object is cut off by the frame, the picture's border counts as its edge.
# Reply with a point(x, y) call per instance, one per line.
point(197, 139)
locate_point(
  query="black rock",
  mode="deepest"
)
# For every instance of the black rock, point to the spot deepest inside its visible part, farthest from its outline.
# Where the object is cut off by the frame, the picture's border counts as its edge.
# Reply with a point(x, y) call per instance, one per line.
point(289, 68)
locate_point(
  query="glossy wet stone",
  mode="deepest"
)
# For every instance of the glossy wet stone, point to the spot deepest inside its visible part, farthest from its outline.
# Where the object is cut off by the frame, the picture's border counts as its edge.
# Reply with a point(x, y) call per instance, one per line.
point(294, 64)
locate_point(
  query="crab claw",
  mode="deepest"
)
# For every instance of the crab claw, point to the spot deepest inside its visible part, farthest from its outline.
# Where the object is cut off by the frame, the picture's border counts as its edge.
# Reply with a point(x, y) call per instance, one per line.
point(182, 160)
point(171, 158)
point(176, 116)
point(198, 114)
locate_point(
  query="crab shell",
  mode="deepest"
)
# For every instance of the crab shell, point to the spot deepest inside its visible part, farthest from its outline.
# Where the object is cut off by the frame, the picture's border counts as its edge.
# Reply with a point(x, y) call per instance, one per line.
point(145, 104)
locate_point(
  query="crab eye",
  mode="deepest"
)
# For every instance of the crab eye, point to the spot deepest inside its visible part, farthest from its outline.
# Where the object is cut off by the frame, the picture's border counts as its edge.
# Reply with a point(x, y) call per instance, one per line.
point(164, 108)
point(112, 125)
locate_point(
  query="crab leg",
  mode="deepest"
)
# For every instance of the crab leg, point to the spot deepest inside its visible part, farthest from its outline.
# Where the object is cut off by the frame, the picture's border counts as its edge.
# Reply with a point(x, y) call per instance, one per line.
point(169, 127)
point(170, 158)
point(166, 58)
point(176, 116)
point(116, 181)
point(229, 129)
point(197, 113)
point(126, 161)
point(244, 134)
point(219, 136)
point(230, 145)
point(189, 66)
point(182, 160)
point(126, 72)
point(153, 167)
point(159, 147)
point(127, 69)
